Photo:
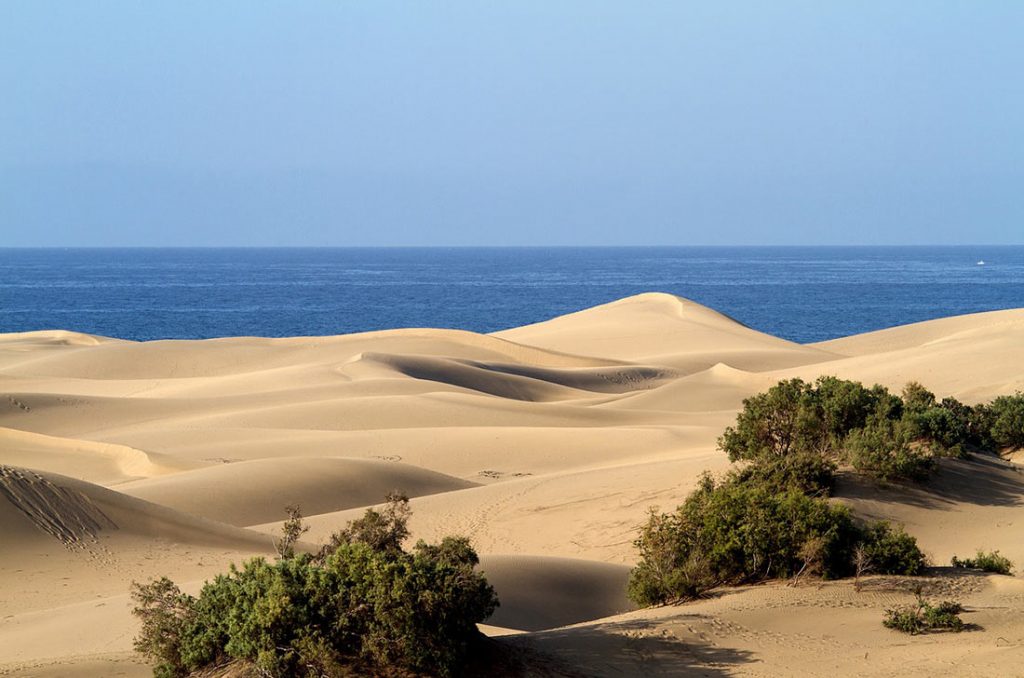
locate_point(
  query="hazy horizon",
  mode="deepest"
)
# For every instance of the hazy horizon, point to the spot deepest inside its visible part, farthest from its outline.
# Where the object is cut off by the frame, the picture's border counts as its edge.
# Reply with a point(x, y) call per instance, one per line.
point(577, 124)
point(967, 245)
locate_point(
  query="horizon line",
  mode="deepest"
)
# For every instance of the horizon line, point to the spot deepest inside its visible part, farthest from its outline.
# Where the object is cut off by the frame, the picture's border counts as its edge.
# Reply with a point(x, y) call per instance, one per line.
point(494, 247)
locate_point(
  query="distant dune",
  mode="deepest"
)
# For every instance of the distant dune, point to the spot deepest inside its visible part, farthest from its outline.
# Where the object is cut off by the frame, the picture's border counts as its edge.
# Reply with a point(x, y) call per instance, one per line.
point(252, 492)
point(544, 444)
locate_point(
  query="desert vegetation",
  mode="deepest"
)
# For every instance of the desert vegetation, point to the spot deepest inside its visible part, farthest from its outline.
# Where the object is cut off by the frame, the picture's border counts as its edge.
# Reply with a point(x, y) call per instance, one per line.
point(748, 528)
point(875, 432)
point(986, 561)
point(925, 617)
point(362, 605)
point(770, 517)
point(1004, 420)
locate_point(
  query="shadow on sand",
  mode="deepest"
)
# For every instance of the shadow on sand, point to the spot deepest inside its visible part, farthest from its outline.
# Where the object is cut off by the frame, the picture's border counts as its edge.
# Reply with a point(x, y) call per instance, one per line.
point(628, 648)
point(981, 479)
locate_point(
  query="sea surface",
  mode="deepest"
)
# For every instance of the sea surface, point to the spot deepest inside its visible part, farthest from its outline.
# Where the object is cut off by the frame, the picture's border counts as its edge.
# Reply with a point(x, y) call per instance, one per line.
point(804, 294)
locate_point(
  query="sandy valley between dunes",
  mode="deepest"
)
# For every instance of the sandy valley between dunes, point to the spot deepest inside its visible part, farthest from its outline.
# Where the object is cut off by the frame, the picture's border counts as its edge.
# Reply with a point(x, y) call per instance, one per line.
point(545, 444)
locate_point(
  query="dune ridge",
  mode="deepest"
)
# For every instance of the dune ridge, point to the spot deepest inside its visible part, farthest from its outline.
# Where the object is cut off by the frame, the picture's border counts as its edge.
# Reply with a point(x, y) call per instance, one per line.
point(90, 460)
point(545, 444)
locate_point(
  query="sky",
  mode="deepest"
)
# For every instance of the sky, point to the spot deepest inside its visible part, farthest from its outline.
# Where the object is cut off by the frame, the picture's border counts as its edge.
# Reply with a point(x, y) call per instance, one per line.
point(334, 123)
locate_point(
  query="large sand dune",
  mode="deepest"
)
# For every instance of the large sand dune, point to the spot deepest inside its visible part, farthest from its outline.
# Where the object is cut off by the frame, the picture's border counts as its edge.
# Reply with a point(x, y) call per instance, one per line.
point(545, 444)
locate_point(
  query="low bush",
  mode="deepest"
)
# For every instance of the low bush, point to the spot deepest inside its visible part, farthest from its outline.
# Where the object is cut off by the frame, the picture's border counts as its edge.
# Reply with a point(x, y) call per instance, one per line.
point(769, 519)
point(1006, 415)
point(805, 472)
point(740, 531)
point(166, 613)
point(384, 531)
point(938, 429)
point(364, 606)
point(879, 434)
point(990, 561)
point(671, 567)
point(291, 531)
point(890, 550)
point(797, 417)
point(886, 450)
point(924, 617)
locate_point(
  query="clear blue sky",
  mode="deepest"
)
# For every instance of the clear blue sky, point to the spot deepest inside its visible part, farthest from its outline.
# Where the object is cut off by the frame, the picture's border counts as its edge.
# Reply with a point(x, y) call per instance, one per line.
point(518, 123)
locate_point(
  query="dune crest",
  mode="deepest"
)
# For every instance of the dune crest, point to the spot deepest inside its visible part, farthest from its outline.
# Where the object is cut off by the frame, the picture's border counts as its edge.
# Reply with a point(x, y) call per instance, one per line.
point(39, 338)
point(84, 459)
point(656, 328)
point(929, 331)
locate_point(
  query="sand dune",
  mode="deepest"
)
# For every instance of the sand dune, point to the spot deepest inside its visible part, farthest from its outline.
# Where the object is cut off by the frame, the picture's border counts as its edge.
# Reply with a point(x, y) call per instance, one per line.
point(923, 333)
point(104, 359)
point(73, 512)
point(545, 444)
point(104, 463)
point(969, 505)
point(34, 504)
point(251, 492)
point(524, 382)
point(480, 453)
point(974, 358)
point(773, 630)
point(66, 541)
point(655, 328)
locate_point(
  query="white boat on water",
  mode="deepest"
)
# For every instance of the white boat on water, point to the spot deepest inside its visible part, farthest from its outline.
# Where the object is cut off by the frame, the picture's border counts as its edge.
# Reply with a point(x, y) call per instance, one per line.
point(981, 262)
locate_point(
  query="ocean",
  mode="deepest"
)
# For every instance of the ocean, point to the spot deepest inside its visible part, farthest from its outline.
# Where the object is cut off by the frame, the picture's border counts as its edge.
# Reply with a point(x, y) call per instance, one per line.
point(805, 294)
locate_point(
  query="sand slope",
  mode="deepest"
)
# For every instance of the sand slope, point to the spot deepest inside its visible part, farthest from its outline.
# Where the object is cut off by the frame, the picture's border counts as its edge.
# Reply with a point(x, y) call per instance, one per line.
point(258, 491)
point(545, 444)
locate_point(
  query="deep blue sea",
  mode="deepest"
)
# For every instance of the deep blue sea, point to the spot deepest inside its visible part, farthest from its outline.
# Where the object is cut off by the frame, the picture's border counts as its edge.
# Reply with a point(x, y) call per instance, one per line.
point(800, 293)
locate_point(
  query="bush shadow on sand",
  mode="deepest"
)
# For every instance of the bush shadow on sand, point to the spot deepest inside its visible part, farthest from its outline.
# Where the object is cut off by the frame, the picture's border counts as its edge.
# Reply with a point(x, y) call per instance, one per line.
point(625, 648)
point(981, 479)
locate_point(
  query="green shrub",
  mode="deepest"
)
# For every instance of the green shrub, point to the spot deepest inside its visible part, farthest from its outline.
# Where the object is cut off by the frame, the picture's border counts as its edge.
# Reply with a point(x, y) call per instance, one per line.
point(890, 550)
point(767, 518)
point(739, 532)
point(671, 567)
point(762, 522)
point(735, 533)
point(795, 417)
point(385, 530)
point(749, 533)
point(945, 615)
point(1007, 421)
point(887, 450)
point(878, 433)
point(916, 398)
point(923, 617)
point(990, 561)
point(805, 472)
point(773, 423)
point(946, 427)
point(846, 405)
point(959, 430)
point(364, 605)
point(165, 613)
point(905, 619)
point(291, 532)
